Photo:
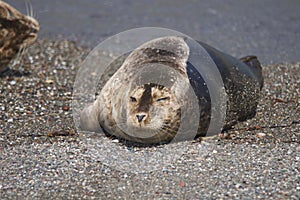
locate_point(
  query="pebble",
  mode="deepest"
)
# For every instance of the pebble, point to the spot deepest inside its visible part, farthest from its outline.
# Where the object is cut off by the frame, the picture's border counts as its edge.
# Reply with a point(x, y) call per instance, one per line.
point(65, 108)
point(115, 141)
point(261, 135)
point(49, 81)
point(13, 82)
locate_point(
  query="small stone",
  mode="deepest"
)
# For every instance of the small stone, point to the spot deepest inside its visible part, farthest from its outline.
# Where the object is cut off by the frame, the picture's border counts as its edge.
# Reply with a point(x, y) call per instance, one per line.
point(225, 136)
point(61, 133)
point(261, 135)
point(61, 67)
point(49, 81)
point(257, 127)
point(66, 108)
point(13, 82)
point(10, 120)
point(115, 141)
point(182, 184)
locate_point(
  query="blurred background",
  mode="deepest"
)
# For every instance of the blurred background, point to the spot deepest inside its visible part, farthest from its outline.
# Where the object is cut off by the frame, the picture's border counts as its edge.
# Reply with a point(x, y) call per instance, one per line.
point(269, 29)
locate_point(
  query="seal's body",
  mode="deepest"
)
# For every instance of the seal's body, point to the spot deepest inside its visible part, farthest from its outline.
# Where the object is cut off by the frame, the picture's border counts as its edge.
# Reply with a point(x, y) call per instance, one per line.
point(134, 107)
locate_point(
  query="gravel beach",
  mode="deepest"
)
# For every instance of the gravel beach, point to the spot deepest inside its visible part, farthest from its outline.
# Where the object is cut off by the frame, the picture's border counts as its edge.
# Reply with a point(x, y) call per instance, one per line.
point(43, 156)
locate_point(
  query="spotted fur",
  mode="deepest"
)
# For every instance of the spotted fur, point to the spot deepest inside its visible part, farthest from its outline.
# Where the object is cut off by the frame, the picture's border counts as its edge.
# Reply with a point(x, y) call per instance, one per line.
point(17, 32)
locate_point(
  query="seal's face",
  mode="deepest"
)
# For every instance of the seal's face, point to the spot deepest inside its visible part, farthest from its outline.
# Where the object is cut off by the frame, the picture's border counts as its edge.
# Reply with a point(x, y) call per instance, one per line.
point(31, 30)
point(152, 111)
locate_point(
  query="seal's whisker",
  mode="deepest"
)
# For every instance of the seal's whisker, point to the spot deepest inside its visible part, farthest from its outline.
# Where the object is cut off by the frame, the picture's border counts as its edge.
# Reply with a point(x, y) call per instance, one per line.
point(27, 8)
point(18, 56)
point(31, 9)
point(168, 130)
point(121, 124)
point(33, 13)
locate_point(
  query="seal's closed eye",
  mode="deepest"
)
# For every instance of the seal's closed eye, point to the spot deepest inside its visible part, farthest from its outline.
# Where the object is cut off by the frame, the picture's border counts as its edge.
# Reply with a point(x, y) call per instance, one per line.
point(132, 99)
point(163, 99)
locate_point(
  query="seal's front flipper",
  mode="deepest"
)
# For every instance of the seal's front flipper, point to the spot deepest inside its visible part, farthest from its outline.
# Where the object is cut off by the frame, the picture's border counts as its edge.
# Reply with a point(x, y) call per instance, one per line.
point(89, 119)
point(254, 63)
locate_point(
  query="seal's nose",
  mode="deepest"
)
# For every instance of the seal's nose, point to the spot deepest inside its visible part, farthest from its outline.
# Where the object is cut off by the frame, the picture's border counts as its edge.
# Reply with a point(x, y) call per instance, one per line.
point(140, 117)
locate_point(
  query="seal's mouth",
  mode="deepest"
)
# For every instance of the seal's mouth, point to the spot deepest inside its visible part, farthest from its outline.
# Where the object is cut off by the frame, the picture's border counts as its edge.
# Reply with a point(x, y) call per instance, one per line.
point(144, 133)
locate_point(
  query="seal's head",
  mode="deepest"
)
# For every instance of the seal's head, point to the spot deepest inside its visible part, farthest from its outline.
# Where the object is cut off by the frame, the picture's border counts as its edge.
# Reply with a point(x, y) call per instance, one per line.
point(17, 32)
point(152, 111)
point(23, 27)
point(144, 100)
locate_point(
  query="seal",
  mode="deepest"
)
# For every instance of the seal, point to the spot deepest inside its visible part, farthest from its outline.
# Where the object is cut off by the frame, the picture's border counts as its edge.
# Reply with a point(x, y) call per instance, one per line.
point(17, 32)
point(133, 107)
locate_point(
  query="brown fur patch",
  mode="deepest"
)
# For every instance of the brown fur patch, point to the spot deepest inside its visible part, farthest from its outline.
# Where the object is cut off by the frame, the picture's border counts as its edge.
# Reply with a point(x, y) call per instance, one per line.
point(17, 31)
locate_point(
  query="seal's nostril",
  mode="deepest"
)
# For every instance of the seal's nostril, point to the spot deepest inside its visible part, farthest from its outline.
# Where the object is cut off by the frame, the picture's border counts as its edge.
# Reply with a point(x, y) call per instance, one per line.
point(140, 117)
point(33, 30)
